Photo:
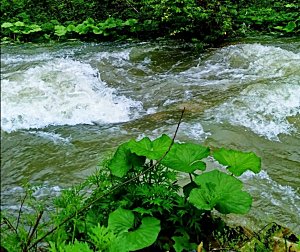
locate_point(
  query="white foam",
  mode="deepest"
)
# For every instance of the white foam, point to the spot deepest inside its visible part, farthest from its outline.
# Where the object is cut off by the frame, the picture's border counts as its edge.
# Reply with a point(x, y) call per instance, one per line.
point(116, 58)
point(194, 131)
point(243, 63)
point(15, 59)
point(263, 108)
point(272, 191)
point(61, 92)
point(55, 138)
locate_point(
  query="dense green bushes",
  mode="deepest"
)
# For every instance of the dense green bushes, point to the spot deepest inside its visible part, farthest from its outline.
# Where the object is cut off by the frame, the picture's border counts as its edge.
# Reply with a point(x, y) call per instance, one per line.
point(206, 20)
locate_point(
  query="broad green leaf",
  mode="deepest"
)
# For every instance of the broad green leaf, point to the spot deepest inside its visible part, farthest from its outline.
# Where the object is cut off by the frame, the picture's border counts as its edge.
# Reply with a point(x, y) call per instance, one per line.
point(144, 236)
point(151, 149)
point(97, 30)
point(123, 160)
point(220, 191)
point(19, 23)
point(130, 22)
point(120, 221)
point(186, 157)
point(183, 243)
point(71, 27)
point(60, 30)
point(81, 29)
point(35, 28)
point(188, 188)
point(290, 27)
point(6, 25)
point(238, 162)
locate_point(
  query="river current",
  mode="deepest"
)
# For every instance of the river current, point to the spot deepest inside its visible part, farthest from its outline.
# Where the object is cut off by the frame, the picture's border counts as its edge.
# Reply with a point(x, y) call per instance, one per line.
point(65, 107)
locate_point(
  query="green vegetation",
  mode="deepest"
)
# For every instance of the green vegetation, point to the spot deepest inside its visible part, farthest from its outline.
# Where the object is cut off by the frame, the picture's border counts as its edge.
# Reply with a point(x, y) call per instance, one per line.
point(207, 21)
point(134, 202)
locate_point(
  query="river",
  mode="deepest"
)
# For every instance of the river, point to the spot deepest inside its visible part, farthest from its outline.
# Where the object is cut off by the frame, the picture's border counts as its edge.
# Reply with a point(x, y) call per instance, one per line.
point(65, 107)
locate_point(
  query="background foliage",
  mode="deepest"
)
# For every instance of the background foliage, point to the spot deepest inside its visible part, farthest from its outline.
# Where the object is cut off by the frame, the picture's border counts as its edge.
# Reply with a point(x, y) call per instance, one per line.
point(209, 21)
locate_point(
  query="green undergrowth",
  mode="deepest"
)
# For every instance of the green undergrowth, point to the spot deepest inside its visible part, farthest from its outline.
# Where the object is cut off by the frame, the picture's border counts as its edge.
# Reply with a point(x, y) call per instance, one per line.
point(135, 203)
point(206, 21)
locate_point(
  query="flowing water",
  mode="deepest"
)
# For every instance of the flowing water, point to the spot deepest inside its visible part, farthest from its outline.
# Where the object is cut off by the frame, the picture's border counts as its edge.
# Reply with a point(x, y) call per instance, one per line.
point(65, 107)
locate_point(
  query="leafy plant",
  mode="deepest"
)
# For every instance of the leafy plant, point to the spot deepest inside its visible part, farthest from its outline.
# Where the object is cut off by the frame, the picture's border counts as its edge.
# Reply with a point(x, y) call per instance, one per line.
point(135, 202)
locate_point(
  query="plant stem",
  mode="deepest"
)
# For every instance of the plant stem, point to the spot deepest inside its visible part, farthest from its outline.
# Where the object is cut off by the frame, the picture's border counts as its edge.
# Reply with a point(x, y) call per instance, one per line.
point(113, 189)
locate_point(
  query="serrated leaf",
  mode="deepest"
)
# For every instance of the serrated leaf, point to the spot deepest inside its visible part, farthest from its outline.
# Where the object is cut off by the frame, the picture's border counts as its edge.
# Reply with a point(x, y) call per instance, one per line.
point(120, 221)
point(220, 191)
point(186, 157)
point(151, 149)
point(123, 160)
point(238, 162)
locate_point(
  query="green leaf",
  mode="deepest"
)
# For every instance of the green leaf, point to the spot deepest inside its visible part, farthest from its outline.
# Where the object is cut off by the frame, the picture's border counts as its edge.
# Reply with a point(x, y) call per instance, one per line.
point(123, 160)
point(188, 188)
point(144, 236)
point(6, 25)
point(151, 149)
point(130, 22)
point(60, 30)
point(186, 157)
point(19, 23)
point(220, 191)
point(290, 27)
point(183, 243)
point(97, 30)
point(35, 28)
point(102, 237)
point(120, 221)
point(76, 247)
point(71, 28)
point(238, 162)
point(81, 28)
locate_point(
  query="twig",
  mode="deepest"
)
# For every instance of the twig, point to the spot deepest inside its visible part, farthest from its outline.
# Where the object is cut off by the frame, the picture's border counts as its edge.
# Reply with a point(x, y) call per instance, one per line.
point(6, 221)
point(113, 189)
point(20, 210)
point(30, 235)
point(130, 4)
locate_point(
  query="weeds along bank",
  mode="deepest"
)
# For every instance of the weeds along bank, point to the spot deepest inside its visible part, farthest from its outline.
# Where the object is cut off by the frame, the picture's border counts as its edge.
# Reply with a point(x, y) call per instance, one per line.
point(207, 21)
point(136, 204)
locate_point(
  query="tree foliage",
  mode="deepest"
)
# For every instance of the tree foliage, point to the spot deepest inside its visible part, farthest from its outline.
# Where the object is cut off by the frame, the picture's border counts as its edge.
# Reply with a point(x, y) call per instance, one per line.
point(209, 21)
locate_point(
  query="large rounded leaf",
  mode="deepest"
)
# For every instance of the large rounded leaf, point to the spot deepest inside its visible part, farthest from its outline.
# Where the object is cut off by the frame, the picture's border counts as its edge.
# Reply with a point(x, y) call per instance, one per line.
point(123, 160)
point(186, 157)
point(151, 149)
point(144, 236)
point(220, 191)
point(238, 162)
point(120, 221)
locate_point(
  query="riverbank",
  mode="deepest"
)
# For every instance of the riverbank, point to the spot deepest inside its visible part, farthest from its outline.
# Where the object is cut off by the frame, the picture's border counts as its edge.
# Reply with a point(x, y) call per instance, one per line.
point(205, 22)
